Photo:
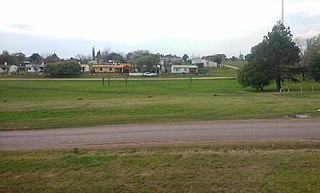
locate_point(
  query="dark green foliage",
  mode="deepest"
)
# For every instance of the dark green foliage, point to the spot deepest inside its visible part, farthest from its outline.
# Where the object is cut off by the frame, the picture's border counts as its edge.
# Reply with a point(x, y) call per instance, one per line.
point(252, 76)
point(62, 68)
point(146, 62)
point(276, 58)
point(185, 57)
point(314, 68)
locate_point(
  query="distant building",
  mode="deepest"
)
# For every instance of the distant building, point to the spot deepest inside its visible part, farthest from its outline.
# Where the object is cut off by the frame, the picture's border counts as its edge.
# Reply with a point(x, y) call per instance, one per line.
point(35, 68)
point(202, 63)
point(111, 68)
point(85, 68)
point(184, 69)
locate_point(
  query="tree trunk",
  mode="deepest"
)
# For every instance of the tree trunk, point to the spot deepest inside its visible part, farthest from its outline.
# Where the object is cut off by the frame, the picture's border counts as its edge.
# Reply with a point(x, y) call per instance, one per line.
point(278, 83)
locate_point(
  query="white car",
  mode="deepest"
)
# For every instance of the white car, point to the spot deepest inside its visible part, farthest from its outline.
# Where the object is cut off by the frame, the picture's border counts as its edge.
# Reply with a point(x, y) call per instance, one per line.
point(149, 74)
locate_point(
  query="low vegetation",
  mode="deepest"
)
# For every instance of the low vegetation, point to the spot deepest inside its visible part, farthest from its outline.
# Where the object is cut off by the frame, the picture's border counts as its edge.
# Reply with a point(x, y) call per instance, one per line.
point(204, 167)
point(56, 104)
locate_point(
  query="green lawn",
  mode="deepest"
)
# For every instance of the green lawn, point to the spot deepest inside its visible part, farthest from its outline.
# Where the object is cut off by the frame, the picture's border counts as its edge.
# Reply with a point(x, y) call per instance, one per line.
point(203, 167)
point(57, 104)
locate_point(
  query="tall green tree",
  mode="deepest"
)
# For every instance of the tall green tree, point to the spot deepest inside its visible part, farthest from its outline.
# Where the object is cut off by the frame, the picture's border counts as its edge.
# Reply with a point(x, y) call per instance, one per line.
point(281, 53)
point(311, 57)
point(314, 68)
point(277, 55)
point(185, 57)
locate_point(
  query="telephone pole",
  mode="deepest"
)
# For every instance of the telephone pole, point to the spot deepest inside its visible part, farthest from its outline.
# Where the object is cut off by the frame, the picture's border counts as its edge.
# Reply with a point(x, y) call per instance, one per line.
point(282, 15)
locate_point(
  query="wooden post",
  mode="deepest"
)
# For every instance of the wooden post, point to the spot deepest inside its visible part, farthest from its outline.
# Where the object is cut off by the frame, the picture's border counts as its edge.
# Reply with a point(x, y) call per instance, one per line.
point(312, 89)
point(301, 89)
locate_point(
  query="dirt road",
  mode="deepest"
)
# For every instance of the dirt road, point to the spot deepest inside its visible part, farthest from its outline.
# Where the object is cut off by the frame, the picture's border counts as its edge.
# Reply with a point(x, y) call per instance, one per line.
point(284, 129)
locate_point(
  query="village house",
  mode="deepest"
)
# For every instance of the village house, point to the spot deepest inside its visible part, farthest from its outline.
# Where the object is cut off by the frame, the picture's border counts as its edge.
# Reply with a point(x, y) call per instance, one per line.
point(111, 68)
point(35, 68)
point(184, 69)
point(85, 68)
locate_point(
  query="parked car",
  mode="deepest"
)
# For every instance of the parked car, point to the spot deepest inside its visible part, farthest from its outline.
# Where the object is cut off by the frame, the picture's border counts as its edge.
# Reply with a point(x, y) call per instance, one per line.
point(149, 74)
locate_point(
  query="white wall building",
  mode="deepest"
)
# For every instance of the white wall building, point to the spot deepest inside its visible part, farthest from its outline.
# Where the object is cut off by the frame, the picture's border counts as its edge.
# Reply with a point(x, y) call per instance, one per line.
point(184, 69)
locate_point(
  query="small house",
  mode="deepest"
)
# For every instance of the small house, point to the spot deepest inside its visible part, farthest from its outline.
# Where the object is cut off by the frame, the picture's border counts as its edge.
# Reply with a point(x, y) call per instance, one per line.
point(85, 68)
point(184, 69)
point(111, 68)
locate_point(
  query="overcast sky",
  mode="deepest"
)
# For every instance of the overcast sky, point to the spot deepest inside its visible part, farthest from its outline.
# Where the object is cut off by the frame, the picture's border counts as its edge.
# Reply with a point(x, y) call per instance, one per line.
point(195, 27)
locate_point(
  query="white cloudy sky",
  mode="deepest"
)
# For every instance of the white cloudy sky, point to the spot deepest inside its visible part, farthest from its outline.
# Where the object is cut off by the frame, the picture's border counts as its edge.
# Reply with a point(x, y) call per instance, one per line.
point(195, 27)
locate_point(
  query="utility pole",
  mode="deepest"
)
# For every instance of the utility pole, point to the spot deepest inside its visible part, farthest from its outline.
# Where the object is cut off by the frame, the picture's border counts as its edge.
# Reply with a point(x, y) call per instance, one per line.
point(282, 15)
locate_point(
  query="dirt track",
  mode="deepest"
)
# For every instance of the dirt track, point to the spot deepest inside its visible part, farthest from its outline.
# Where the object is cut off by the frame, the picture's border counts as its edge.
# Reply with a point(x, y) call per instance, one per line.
point(286, 129)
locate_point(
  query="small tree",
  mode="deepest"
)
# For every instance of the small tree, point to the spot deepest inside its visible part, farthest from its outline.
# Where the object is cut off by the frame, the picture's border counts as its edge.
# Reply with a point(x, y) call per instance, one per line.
point(252, 75)
point(185, 57)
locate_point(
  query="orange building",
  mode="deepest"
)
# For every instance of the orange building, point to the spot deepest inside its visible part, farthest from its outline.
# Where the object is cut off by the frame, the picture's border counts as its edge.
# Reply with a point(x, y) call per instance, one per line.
point(111, 68)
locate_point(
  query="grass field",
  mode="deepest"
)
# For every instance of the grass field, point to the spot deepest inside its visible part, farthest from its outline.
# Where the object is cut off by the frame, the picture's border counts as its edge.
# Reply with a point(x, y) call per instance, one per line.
point(57, 104)
point(204, 167)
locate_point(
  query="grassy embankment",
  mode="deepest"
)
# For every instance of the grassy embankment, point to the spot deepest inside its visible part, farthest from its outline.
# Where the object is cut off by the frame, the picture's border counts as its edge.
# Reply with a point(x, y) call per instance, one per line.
point(203, 167)
point(56, 104)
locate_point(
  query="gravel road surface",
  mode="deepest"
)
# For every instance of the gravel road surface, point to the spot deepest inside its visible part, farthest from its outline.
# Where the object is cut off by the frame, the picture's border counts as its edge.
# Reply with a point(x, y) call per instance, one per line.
point(282, 129)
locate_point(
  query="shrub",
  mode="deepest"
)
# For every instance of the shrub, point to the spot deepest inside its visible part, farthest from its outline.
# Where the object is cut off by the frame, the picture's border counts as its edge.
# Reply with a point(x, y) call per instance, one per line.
point(63, 68)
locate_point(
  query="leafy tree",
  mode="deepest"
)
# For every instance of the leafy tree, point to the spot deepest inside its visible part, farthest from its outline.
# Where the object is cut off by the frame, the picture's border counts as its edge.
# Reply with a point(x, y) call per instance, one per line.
point(51, 58)
point(6, 57)
point(115, 57)
point(252, 76)
point(314, 68)
point(146, 62)
point(248, 57)
point(185, 57)
point(282, 54)
point(311, 55)
point(19, 57)
point(62, 68)
point(218, 58)
point(277, 56)
point(36, 58)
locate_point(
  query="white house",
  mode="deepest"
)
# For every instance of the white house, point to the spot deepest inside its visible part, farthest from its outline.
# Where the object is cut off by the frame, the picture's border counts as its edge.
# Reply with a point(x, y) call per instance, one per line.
point(35, 68)
point(13, 69)
point(184, 69)
point(85, 68)
point(204, 63)
point(210, 64)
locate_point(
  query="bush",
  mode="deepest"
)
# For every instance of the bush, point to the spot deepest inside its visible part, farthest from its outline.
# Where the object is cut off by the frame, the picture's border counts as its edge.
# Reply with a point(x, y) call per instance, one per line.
point(62, 68)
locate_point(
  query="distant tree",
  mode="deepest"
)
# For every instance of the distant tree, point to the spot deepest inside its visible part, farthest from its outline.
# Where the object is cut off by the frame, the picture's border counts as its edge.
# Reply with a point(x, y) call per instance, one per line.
point(234, 58)
point(146, 62)
point(83, 59)
point(51, 58)
point(115, 57)
point(62, 68)
point(314, 68)
point(19, 57)
point(105, 54)
point(248, 57)
point(253, 75)
point(218, 58)
point(5, 57)
point(36, 58)
point(277, 56)
point(185, 57)
point(311, 55)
